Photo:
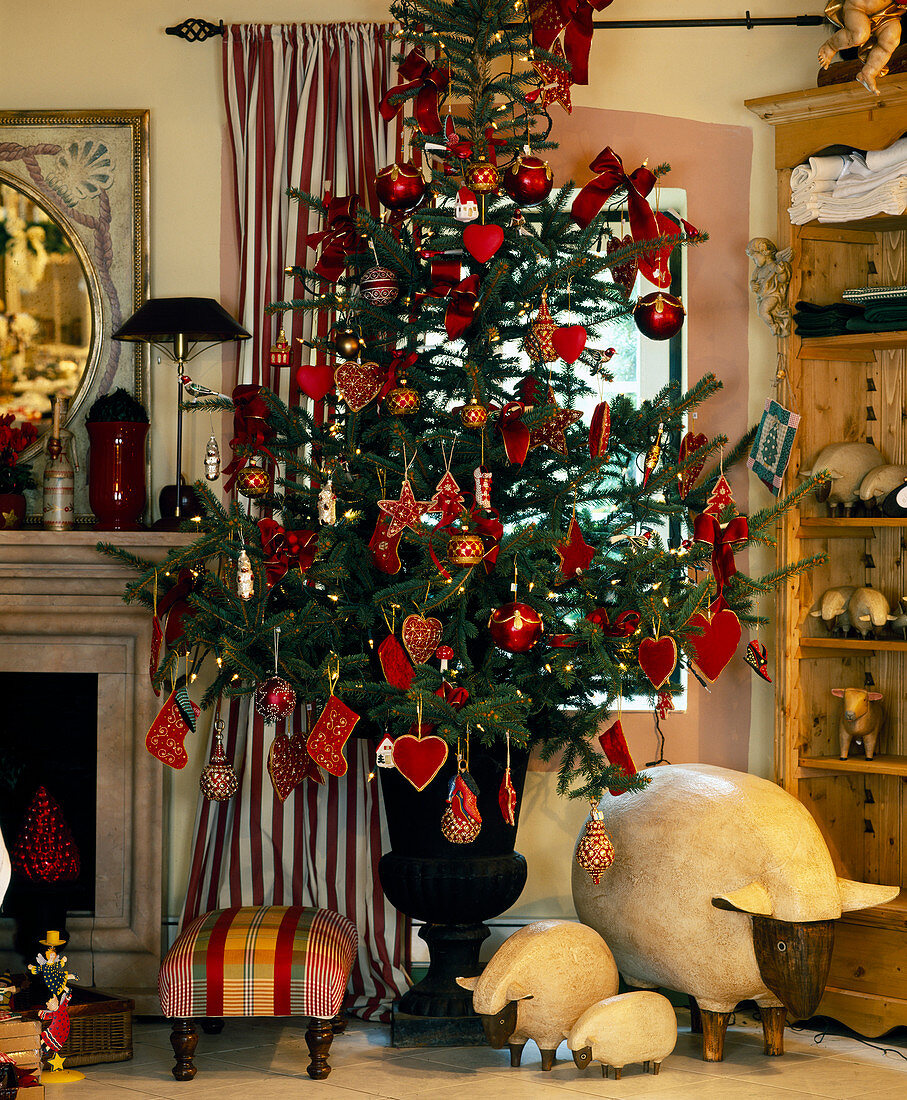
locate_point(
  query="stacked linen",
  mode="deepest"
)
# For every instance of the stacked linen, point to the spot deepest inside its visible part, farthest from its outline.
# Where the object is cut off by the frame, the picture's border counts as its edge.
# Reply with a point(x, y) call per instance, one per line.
point(810, 183)
point(848, 188)
point(832, 320)
point(881, 315)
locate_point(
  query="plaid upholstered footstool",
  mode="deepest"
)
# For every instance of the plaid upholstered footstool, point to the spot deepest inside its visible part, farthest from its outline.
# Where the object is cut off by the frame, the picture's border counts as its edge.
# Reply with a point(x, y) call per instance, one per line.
point(270, 961)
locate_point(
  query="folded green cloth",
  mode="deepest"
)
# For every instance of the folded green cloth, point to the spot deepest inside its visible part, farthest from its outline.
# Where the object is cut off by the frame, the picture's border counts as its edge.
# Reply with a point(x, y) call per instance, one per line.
point(862, 324)
point(882, 314)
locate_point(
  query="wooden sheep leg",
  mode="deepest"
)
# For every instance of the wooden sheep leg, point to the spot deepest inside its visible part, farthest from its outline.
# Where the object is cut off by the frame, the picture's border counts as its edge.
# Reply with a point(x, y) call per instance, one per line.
point(547, 1058)
point(657, 1067)
point(695, 1017)
point(773, 1020)
point(714, 1026)
point(516, 1053)
point(618, 1070)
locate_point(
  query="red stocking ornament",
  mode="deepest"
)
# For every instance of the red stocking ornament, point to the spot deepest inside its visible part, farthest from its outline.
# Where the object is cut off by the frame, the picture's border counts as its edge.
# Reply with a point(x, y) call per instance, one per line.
point(331, 732)
point(614, 746)
point(168, 731)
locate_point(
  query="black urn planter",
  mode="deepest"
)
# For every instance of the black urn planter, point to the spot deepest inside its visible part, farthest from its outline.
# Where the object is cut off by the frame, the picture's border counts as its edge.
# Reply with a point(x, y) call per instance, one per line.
point(453, 888)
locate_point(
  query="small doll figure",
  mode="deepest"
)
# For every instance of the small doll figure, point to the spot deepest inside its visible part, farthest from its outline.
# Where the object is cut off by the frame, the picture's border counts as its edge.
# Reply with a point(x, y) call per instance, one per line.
point(56, 1024)
point(874, 24)
point(52, 967)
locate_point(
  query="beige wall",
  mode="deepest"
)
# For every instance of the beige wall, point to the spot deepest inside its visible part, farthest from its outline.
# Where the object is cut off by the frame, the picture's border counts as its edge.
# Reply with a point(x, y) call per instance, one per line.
point(101, 54)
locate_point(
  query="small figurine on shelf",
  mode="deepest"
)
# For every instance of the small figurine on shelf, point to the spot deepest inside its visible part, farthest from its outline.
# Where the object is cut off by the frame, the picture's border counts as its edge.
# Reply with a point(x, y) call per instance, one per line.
point(769, 283)
point(875, 24)
point(862, 719)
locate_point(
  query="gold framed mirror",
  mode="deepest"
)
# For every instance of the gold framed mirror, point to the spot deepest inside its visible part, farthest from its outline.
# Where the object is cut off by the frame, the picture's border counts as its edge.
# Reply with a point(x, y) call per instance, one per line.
point(73, 265)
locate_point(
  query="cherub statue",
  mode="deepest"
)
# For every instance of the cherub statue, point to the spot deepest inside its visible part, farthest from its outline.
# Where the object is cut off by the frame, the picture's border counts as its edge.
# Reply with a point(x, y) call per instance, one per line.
point(769, 282)
point(875, 24)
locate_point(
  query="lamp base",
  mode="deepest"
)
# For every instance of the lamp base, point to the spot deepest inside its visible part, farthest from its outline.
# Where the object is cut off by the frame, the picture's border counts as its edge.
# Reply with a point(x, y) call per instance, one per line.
point(190, 507)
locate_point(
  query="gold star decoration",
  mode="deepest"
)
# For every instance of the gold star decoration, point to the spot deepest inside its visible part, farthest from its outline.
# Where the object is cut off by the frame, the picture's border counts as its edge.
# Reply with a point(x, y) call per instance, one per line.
point(575, 554)
point(550, 432)
point(56, 1062)
point(9, 519)
point(405, 512)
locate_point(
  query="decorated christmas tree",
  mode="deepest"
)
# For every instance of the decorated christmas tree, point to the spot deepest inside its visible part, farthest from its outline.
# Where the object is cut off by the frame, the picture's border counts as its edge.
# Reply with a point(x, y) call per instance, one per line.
point(443, 542)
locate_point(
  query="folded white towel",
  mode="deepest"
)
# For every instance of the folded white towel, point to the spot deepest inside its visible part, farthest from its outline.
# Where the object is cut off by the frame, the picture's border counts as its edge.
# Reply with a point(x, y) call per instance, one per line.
point(858, 185)
point(878, 159)
point(818, 168)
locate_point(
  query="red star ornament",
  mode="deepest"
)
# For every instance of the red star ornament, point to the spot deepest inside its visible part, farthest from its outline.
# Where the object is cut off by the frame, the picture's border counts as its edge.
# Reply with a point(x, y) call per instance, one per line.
point(405, 512)
point(556, 81)
point(575, 553)
point(550, 433)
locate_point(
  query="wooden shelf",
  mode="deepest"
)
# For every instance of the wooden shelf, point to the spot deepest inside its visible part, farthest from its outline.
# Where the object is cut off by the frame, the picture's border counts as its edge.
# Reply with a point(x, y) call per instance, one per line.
point(854, 347)
point(847, 527)
point(879, 765)
point(834, 647)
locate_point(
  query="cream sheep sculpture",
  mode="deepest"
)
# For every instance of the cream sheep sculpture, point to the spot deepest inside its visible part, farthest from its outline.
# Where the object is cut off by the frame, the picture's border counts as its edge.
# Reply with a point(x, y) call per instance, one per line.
point(632, 1027)
point(847, 464)
point(723, 888)
point(538, 983)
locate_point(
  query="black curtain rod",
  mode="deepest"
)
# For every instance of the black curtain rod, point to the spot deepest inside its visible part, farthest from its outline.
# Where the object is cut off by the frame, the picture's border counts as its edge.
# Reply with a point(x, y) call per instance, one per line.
point(199, 30)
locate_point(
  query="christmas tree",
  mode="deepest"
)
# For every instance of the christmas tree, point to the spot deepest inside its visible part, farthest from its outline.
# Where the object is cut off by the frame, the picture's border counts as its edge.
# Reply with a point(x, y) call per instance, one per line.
point(447, 503)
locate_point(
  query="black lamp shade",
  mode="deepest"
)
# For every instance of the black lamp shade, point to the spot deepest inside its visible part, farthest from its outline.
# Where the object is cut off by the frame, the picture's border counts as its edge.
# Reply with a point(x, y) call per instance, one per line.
point(197, 320)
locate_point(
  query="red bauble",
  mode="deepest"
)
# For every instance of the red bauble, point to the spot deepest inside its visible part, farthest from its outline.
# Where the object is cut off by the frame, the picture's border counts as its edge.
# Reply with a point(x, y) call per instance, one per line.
point(274, 699)
point(515, 627)
point(400, 186)
point(379, 286)
point(45, 850)
point(659, 315)
point(528, 181)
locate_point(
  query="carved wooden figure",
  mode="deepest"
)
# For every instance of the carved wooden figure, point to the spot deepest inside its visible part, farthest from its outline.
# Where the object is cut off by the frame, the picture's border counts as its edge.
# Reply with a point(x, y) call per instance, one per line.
point(632, 1027)
point(862, 718)
point(769, 282)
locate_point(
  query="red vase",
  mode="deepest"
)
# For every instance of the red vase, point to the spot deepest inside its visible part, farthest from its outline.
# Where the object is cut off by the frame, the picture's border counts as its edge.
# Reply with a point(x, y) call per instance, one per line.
point(116, 473)
point(12, 511)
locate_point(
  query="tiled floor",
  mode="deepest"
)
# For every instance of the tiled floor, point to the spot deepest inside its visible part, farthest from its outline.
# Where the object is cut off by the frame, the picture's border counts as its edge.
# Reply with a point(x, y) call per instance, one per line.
point(266, 1060)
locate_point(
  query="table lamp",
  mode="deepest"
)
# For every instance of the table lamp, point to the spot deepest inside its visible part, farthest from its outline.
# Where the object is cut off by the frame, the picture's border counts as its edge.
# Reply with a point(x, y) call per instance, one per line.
point(180, 328)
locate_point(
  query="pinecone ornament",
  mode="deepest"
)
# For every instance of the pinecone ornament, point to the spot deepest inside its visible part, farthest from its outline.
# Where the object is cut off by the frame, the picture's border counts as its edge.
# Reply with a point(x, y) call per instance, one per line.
point(218, 781)
point(595, 852)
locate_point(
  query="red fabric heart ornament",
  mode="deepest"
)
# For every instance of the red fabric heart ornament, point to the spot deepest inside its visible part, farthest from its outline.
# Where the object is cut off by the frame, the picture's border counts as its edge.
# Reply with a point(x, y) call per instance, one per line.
point(421, 637)
point(315, 380)
point(419, 759)
point(569, 342)
point(717, 643)
point(658, 659)
point(482, 241)
point(289, 764)
point(359, 383)
point(395, 664)
point(688, 447)
point(600, 430)
point(625, 273)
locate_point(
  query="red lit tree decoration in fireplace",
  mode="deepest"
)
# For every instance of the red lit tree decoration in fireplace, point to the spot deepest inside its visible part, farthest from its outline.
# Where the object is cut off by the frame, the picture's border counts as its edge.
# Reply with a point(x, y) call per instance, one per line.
point(45, 850)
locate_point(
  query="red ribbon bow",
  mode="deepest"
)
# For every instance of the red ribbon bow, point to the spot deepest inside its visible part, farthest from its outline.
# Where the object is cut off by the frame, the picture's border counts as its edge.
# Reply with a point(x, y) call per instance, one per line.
point(285, 550)
point(623, 626)
point(428, 83)
point(175, 604)
point(337, 239)
point(250, 428)
point(491, 529)
point(706, 528)
point(399, 365)
point(514, 432)
point(610, 177)
point(550, 17)
point(455, 697)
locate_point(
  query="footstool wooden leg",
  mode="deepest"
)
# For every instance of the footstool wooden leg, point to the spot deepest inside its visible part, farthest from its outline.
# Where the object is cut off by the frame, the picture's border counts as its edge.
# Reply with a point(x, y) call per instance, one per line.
point(211, 1025)
point(184, 1040)
point(318, 1039)
point(338, 1024)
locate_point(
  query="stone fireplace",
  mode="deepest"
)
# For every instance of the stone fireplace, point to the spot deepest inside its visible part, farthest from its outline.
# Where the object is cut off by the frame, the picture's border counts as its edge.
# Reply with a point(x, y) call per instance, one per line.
point(61, 611)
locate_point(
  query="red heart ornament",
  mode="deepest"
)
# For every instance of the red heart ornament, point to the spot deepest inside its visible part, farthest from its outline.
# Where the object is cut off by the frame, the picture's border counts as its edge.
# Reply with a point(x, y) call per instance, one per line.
point(482, 241)
point(421, 637)
point(624, 274)
point(419, 759)
point(717, 643)
point(658, 659)
point(315, 381)
point(688, 446)
point(288, 764)
point(359, 383)
point(569, 342)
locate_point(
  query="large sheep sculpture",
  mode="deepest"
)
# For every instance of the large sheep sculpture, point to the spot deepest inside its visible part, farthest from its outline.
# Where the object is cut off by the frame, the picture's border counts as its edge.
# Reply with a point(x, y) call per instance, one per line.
point(538, 983)
point(847, 464)
point(722, 888)
point(632, 1027)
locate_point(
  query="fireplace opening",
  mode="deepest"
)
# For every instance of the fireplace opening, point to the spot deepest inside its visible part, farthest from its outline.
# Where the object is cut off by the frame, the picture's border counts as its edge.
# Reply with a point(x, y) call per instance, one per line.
point(49, 738)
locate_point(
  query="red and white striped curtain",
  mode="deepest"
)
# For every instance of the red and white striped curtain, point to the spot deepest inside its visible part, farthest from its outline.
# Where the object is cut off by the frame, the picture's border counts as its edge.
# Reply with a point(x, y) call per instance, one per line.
point(302, 104)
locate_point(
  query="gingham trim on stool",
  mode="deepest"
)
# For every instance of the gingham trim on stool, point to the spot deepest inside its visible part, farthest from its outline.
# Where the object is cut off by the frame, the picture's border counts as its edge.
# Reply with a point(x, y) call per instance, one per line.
point(271, 960)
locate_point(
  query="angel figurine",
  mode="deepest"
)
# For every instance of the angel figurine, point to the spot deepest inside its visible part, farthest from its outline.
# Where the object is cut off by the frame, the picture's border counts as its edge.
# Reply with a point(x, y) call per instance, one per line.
point(52, 967)
point(769, 282)
point(873, 24)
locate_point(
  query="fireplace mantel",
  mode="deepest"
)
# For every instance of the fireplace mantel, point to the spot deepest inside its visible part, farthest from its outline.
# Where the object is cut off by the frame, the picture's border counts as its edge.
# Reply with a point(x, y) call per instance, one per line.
point(61, 610)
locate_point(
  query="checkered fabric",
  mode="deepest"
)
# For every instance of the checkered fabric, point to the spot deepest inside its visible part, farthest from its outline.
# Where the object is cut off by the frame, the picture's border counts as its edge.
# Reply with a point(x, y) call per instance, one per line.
point(272, 960)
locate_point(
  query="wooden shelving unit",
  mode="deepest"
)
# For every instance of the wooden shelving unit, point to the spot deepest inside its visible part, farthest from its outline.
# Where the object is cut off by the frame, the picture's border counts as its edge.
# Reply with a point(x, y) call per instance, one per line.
point(858, 804)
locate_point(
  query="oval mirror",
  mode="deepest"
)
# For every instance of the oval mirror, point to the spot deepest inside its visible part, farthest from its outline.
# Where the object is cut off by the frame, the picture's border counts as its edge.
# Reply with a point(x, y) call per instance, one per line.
point(49, 309)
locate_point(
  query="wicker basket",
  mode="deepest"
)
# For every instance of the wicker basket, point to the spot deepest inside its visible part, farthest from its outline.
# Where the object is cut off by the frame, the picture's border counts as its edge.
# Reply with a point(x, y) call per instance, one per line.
point(101, 1028)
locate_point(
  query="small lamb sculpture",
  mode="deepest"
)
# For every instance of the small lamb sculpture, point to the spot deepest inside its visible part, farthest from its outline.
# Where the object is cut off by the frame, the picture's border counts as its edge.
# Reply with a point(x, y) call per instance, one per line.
point(862, 718)
point(633, 1027)
point(832, 609)
point(869, 611)
point(847, 464)
point(538, 983)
